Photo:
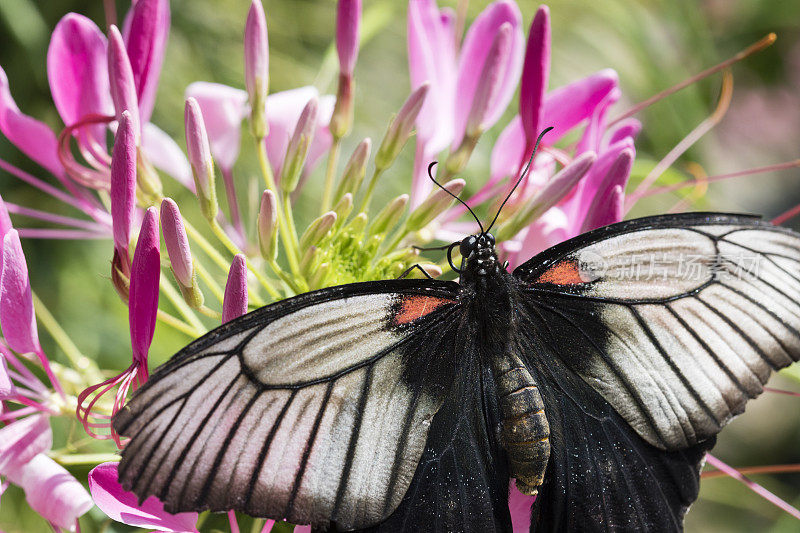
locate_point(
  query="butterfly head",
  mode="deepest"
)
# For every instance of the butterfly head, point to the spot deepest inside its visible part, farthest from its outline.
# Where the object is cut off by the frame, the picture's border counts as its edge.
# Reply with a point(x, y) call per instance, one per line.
point(479, 254)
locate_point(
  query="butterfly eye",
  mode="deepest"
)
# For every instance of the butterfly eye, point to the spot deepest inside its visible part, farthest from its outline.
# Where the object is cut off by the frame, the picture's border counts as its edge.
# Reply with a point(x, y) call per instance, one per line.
point(468, 245)
point(489, 239)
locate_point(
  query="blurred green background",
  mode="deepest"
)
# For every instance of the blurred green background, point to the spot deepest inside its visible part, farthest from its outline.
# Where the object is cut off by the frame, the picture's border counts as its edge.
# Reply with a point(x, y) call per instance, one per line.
point(651, 43)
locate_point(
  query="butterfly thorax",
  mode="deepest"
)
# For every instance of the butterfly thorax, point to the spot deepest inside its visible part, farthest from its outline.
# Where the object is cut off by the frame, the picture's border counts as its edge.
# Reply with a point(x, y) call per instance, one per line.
point(523, 430)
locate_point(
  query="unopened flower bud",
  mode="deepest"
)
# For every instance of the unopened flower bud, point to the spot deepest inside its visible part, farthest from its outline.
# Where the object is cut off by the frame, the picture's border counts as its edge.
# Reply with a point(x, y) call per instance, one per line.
point(268, 226)
point(297, 151)
point(343, 208)
point(490, 80)
point(319, 275)
point(234, 303)
point(121, 81)
point(389, 215)
point(400, 128)
point(256, 67)
point(348, 21)
point(317, 230)
point(354, 170)
point(357, 225)
point(145, 280)
point(180, 255)
point(437, 203)
point(200, 158)
point(123, 189)
point(553, 191)
point(309, 261)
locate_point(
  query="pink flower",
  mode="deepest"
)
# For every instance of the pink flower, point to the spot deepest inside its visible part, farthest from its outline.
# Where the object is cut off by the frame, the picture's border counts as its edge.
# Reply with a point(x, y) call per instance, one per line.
point(123, 506)
point(52, 492)
point(22, 440)
point(454, 77)
point(122, 84)
point(142, 312)
point(235, 302)
point(223, 110)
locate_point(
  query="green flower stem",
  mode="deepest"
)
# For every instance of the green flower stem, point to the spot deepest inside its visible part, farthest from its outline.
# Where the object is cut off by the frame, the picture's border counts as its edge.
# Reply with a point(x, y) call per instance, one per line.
point(370, 189)
point(330, 176)
point(287, 210)
point(398, 236)
point(211, 313)
point(212, 284)
point(285, 277)
point(292, 252)
point(180, 304)
point(231, 246)
point(79, 362)
point(207, 247)
point(66, 459)
point(178, 324)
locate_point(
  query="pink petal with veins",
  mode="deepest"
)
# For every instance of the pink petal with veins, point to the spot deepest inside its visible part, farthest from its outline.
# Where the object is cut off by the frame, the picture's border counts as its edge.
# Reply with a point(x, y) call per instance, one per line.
point(77, 69)
point(223, 109)
point(52, 492)
point(145, 275)
point(474, 52)
point(146, 32)
point(432, 58)
point(123, 506)
point(17, 316)
point(33, 138)
point(20, 441)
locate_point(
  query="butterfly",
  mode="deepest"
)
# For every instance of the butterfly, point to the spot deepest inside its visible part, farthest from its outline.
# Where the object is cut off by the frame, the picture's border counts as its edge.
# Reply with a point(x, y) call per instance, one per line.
point(597, 375)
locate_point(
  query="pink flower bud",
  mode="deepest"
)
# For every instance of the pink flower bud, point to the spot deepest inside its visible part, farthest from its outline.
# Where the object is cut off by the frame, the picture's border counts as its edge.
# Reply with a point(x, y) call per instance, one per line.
point(297, 151)
point(354, 170)
point(436, 204)
point(317, 230)
point(535, 72)
point(123, 185)
point(234, 304)
point(145, 277)
point(348, 20)
point(17, 316)
point(400, 128)
point(180, 256)
point(200, 158)
point(120, 77)
point(256, 66)
point(490, 81)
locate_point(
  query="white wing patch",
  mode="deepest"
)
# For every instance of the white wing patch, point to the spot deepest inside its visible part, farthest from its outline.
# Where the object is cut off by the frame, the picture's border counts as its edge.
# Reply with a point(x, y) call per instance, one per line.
point(305, 417)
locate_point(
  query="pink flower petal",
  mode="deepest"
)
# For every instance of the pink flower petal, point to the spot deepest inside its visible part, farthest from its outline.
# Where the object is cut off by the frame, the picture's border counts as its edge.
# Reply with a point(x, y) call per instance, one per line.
point(569, 105)
point(146, 33)
point(123, 183)
point(548, 230)
point(17, 316)
point(20, 441)
point(535, 72)
point(606, 206)
point(6, 387)
point(123, 506)
point(284, 111)
point(223, 110)
point(508, 151)
point(145, 275)
point(235, 302)
point(34, 138)
point(77, 69)
point(630, 127)
point(474, 52)
point(432, 59)
point(52, 492)
point(592, 138)
point(165, 154)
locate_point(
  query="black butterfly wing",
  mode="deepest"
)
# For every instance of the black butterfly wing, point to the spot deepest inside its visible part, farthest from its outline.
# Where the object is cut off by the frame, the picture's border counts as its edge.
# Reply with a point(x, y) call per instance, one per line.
point(461, 483)
point(648, 336)
point(312, 409)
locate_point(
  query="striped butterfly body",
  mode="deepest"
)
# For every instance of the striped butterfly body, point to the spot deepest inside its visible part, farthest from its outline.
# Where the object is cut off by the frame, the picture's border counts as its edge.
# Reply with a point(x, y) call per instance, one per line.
point(596, 375)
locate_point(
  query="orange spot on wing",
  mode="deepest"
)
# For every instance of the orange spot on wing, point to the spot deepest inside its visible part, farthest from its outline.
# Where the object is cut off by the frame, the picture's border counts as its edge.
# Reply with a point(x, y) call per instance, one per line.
point(415, 307)
point(565, 272)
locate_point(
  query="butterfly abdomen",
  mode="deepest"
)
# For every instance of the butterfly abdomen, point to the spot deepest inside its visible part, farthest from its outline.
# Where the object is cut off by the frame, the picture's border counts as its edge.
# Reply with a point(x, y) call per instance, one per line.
point(525, 432)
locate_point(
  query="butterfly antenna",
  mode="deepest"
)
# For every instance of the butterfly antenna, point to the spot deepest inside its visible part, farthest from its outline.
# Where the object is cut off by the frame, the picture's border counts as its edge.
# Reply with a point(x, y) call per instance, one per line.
point(521, 177)
point(462, 202)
